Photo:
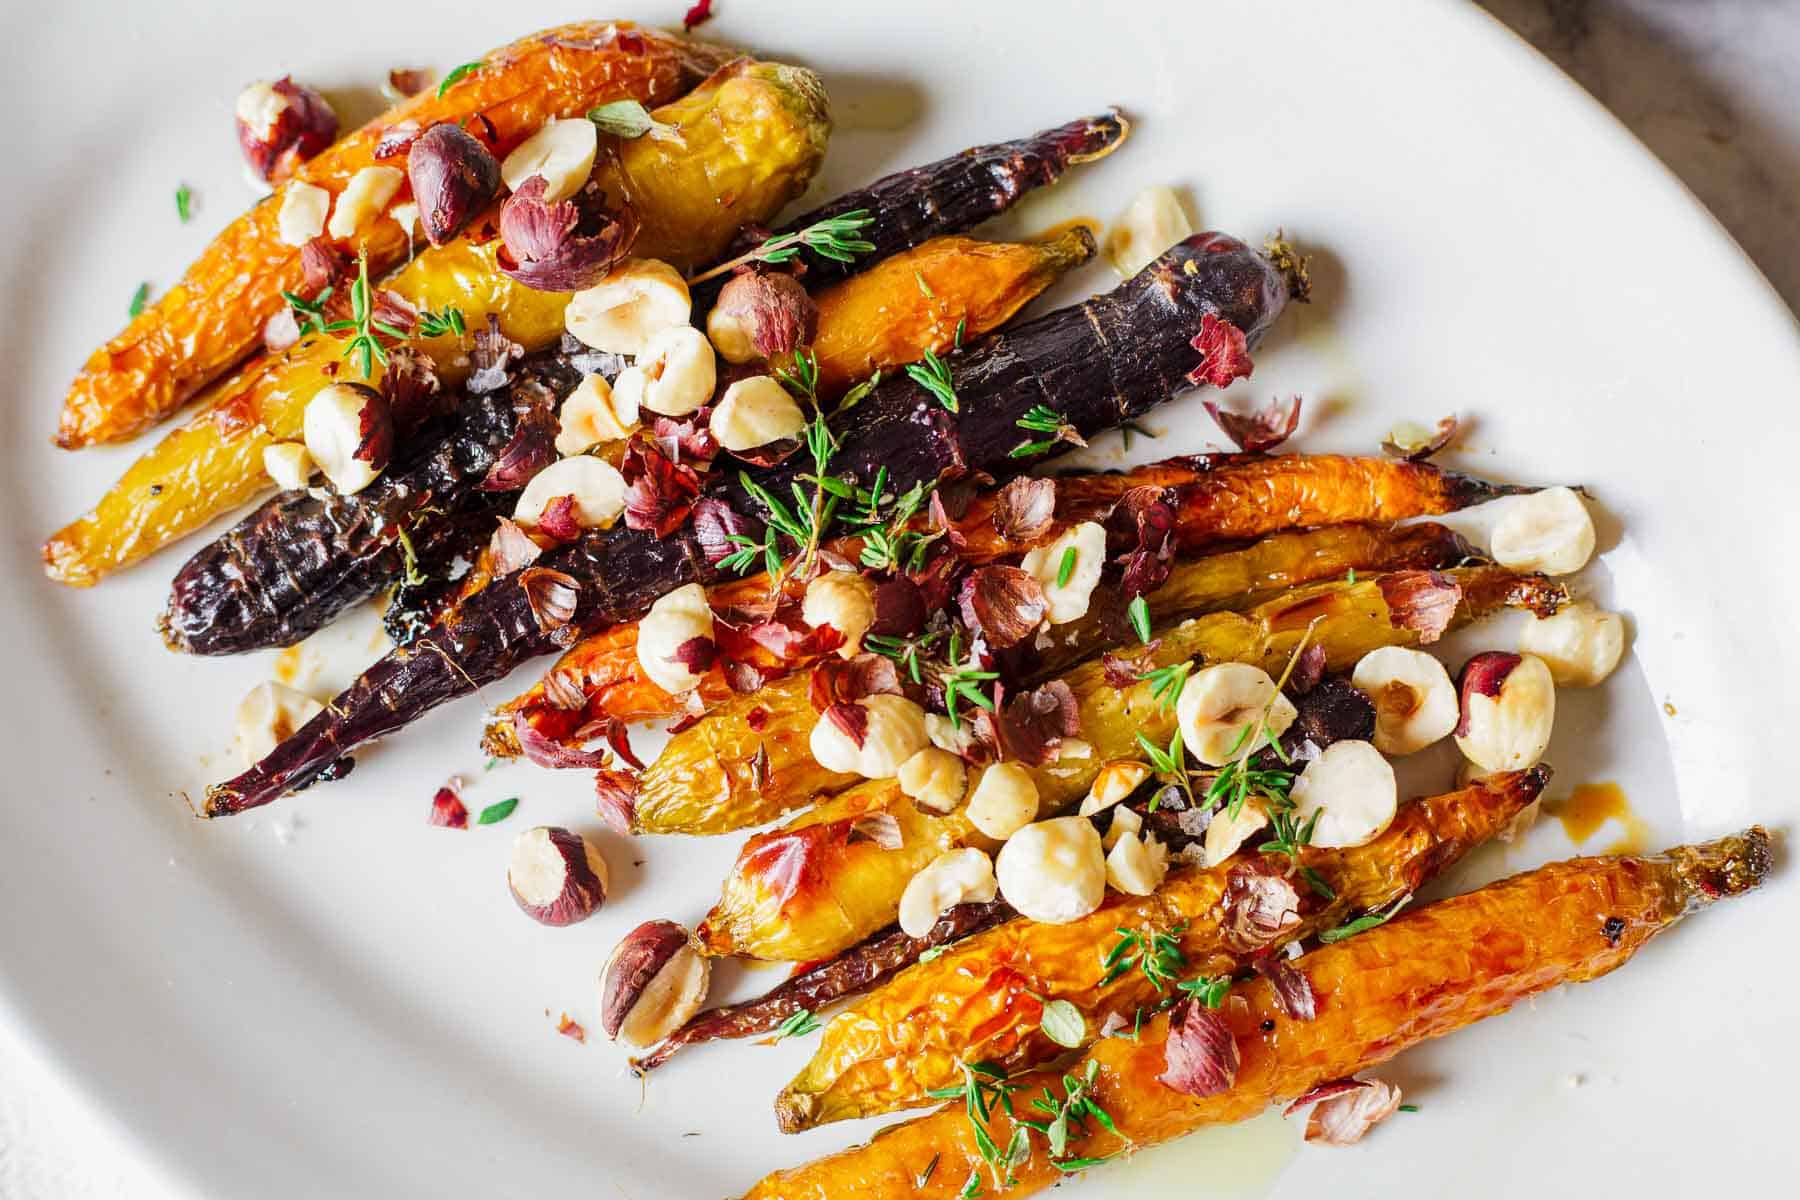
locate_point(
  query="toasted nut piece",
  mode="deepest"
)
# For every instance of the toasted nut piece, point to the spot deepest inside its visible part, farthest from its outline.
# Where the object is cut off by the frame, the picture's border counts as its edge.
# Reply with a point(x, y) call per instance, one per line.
point(267, 715)
point(592, 414)
point(288, 465)
point(637, 300)
point(406, 215)
point(666, 635)
point(964, 876)
point(557, 877)
point(280, 125)
point(754, 412)
point(1508, 710)
point(1154, 221)
point(1115, 781)
point(303, 211)
point(894, 733)
point(596, 485)
point(1218, 703)
point(1004, 801)
point(1415, 702)
point(1351, 787)
point(453, 177)
point(674, 375)
point(1581, 644)
point(653, 982)
point(1067, 599)
point(1053, 871)
point(843, 600)
point(951, 737)
point(562, 152)
point(337, 425)
point(1125, 822)
point(1547, 531)
point(759, 316)
point(935, 779)
point(1227, 833)
point(1136, 864)
point(363, 199)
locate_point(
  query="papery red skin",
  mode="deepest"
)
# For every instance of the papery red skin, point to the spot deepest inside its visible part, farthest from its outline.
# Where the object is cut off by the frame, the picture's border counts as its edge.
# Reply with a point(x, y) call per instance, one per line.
point(899, 608)
point(1201, 1056)
point(412, 389)
point(697, 654)
point(635, 962)
point(543, 246)
point(571, 1028)
point(1324, 1091)
point(698, 13)
point(1260, 905)
point(881, 828)
point(1483, 675)
point(1346, 1118)
point(659, 492)
point(615, 799)
point(1225, 353)
point(1261, 430)
point(852, 720)
point(454, 177)
point(397, 140)
point(554, 596)
point(1004, 603)
point(1422, 601)
point(582, 892)
point(375, 426)
point(1293, 990)
point(1032, 725)
point(1445, 433)
point(305, 126)
point(447, 810)
point(546, 751)
point(531, 448)
point(714, 523)
point(558, 519)
point(321, 265)
point(511, 548)
point(845, 681)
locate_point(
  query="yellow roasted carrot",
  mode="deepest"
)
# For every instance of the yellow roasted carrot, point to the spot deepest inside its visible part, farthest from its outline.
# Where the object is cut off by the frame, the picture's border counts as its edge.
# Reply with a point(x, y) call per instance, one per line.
point(750, 139)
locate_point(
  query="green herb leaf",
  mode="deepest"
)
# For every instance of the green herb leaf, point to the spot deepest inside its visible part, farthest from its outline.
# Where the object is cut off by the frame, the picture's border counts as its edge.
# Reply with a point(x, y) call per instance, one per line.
point(1065, 570)
point(1139, 612)
point(140, 298)
point(497, 811)
point(625, 118)
point(1063, 1024)
point(934, 377)
point(1362, 924)
point(457, 73)
point(834, 238)
point(798, 1025)
point(184, 203)
point(933, 953)
point(1409, 1108)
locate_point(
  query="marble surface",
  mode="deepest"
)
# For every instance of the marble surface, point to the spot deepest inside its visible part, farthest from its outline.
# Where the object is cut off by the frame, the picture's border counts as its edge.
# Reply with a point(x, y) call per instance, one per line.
point(1709, 85)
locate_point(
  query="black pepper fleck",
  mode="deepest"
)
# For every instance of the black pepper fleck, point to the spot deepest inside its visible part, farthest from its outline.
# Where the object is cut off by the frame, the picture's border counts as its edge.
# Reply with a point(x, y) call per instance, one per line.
point(1268, 1025)
point(156, 489)
point(1613, 929)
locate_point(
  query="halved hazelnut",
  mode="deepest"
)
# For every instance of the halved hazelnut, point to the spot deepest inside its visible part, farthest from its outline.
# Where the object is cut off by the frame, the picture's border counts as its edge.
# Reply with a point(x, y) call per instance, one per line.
point(454, 176)
point(349, 431)
point(755, 412)
point(653, 982)
point(1116, 780)
point(561, 153)
point(674, 373)
point(557, 877)
point(594, 413)
point(1508, 710)
point(934, 779)
point(288, 465)
point(1549, 531)
point(1415, 702)
point(1004, 801)
point(304, 208)
point(1581, 644)
point(595, 485)
point(964, 876)
point(759, 316)
point(281, 124)
point(638, 299)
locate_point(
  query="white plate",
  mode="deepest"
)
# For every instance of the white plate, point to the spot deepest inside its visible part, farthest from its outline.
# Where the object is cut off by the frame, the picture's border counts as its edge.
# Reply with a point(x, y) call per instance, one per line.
point(329, 997)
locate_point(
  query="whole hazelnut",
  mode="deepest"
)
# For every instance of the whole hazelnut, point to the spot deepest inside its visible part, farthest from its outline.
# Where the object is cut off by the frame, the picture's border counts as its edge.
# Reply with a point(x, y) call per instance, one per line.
point(759, 316)
point(453, 178)
point(281, 124)
point(654, 981)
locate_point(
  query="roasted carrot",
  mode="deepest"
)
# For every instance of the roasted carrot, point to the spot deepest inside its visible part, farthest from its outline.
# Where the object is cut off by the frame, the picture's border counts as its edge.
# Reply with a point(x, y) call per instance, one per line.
point(1474, 957)
point(983, 999)
point(752, 137)
point(809, 888)
point(294, 564)
point(748, 761)
point(1107, 360)
point(1214, 502)
point(209, 321)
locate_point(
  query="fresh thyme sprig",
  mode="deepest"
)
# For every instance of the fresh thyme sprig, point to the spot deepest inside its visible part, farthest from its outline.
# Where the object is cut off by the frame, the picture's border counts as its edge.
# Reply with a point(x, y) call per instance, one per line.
point(1043, 419)
point(888, 543)
point(437, 324)
point(983, 1088)
point(909, 653)
point(1072, 1111)
point(960, 681)
point(309, 315)
point(1170, 764)
point(1209, 990)
point(411, 575)
point(363, 345)
point(834, 238)
point(1167, 682)
point(1139, 613)
point(934, 376)
point(1158, 955)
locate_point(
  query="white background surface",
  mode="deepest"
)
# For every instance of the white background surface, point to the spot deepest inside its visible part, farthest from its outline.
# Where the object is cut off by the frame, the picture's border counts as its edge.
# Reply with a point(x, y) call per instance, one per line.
point(1711, 86)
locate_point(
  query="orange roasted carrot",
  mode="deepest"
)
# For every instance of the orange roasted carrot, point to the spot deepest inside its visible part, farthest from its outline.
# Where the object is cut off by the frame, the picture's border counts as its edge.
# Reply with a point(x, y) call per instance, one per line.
point(1424, 974)
point(210, 320)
